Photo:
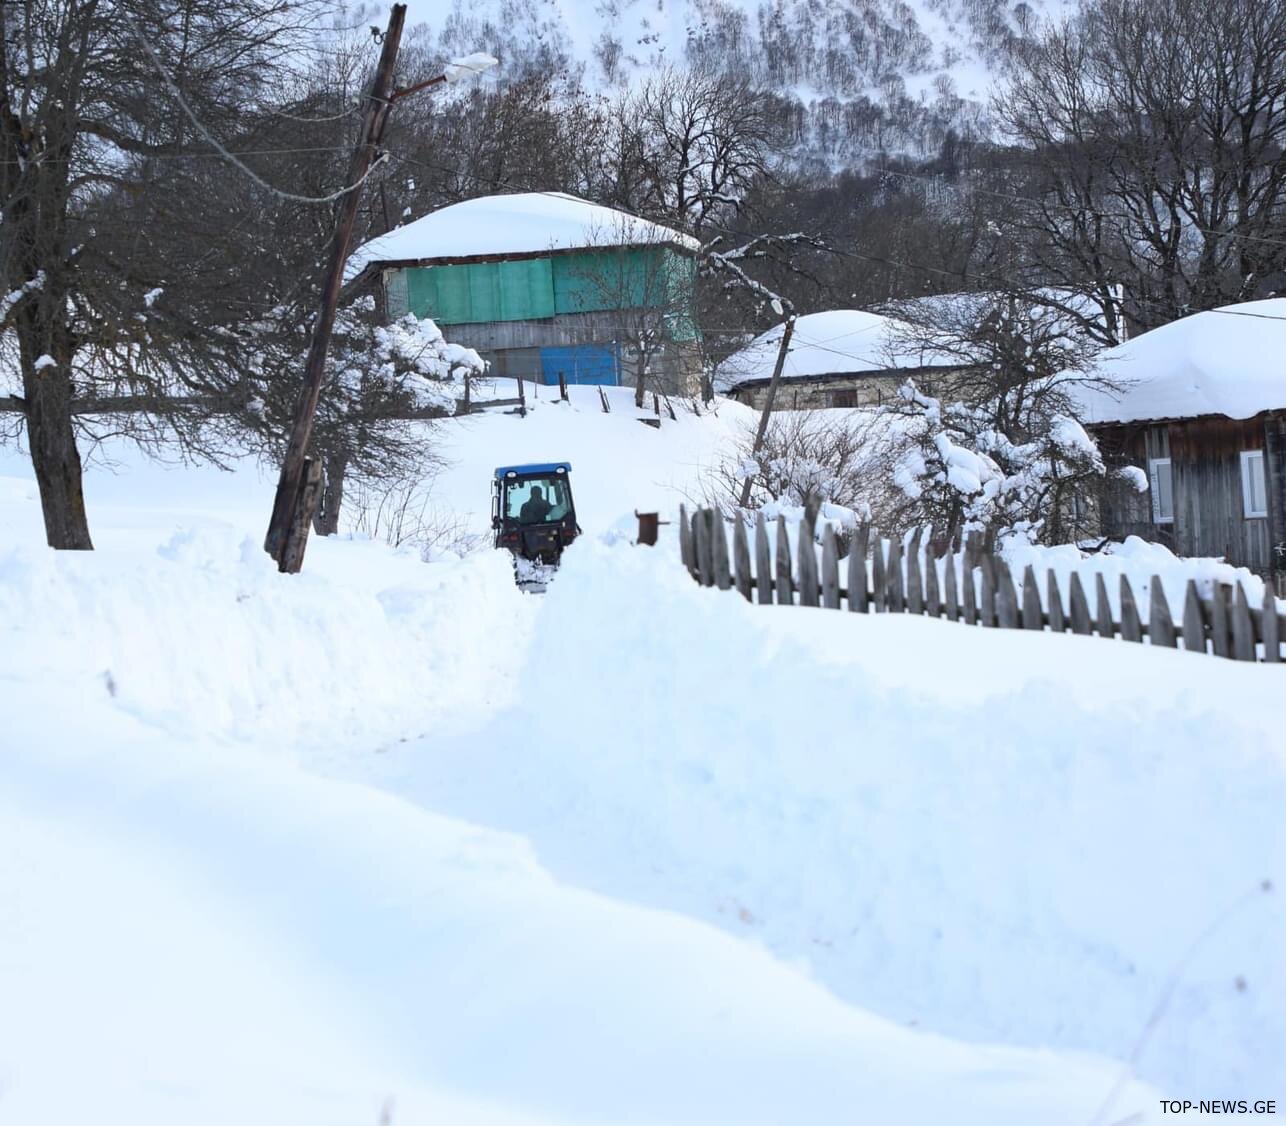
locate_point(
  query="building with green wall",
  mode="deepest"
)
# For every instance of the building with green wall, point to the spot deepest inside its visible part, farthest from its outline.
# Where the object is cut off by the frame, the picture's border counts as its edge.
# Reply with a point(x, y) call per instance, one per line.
point(543, 285)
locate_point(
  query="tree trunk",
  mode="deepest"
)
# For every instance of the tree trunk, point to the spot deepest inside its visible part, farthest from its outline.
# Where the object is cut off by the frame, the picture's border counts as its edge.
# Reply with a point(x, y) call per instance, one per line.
point(56, 460)
point(326, 521)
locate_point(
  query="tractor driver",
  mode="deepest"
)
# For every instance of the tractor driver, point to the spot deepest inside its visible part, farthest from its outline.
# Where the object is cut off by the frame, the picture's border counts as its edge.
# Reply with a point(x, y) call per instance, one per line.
point(535, 509)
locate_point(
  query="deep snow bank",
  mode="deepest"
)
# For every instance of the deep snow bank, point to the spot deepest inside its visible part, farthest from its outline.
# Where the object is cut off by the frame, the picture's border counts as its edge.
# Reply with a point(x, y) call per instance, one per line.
point(986, 833)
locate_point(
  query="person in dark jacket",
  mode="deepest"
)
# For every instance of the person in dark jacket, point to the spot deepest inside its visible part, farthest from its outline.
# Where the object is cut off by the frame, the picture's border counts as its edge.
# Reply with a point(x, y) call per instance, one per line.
point(535, 509)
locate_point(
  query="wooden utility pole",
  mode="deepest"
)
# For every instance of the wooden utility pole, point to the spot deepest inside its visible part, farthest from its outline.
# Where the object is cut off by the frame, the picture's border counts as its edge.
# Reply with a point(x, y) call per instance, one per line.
point(296, 492)
point(768, 402)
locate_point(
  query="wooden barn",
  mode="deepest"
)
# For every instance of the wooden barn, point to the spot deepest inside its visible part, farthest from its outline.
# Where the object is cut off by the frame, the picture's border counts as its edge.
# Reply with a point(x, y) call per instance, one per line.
point(543, 284)
point(1202, 410)
point(837, 358)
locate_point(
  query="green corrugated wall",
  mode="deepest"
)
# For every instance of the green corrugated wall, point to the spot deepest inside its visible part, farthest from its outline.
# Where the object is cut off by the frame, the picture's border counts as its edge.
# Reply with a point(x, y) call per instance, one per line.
point(534, 288)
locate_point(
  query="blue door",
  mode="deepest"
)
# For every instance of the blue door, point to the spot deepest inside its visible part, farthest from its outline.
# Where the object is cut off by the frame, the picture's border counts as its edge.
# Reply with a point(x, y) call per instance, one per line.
point(581, 363)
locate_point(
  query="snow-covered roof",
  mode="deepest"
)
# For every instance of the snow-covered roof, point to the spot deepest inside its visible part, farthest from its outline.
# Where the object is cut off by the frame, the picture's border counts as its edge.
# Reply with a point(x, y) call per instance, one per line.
point(836, 341)
point(524, 223)
point(1229, 361)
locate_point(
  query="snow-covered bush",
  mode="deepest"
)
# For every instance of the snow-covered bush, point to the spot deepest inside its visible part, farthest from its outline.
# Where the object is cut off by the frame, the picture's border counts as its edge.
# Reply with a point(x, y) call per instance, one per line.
point(999, 447)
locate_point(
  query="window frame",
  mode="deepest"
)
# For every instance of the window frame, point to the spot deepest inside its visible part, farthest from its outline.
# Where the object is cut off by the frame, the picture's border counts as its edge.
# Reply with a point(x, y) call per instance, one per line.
point(1154, 463)
point(1247, 493)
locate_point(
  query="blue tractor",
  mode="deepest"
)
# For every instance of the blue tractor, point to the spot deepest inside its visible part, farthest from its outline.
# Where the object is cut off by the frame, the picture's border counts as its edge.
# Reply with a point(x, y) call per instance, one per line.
point(533, 515)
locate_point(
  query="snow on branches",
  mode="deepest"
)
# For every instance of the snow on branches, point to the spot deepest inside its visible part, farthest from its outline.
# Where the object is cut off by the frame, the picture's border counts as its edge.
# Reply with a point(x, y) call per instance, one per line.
point(960, 470)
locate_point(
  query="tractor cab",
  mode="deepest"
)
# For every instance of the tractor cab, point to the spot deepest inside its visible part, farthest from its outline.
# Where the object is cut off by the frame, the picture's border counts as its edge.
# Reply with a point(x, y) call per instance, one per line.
point(532, 510)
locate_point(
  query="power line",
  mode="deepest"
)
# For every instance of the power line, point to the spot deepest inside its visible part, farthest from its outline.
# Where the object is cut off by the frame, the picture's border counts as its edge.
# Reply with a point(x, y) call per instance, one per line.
point(231, 157)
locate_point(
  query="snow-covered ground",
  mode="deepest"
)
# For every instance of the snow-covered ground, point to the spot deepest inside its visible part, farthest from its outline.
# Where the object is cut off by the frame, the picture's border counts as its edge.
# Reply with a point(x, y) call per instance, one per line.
point(391, 841)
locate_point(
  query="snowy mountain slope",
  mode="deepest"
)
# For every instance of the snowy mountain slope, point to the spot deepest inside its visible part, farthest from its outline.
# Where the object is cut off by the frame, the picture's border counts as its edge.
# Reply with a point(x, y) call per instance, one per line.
point(906, 64)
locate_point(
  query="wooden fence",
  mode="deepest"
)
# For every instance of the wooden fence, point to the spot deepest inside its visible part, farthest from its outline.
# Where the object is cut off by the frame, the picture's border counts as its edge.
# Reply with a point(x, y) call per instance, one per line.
point(1223, 624)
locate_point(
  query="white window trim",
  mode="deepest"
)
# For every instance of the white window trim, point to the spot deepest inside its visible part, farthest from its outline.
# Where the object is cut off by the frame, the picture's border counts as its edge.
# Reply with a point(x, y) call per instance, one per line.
point(1247, 503)
point(1153, 464)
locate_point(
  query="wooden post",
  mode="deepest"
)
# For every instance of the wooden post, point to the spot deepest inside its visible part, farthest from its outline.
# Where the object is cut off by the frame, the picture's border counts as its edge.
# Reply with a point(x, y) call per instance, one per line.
point(1078, 606)
point(807, 551)
point(785, 582)
point(741, 558)
point(914, 583)
point(768, 402)
point(1194, 627)
point(1270, 626)
point(763, 561)
point(857, 570)
point(949, 589)
point(562, 386)
point(602, 398)
point(1160, 620)
point(705, 546)
point(522, 397)
point(685, 541)
point(1220, 643)
point(1131, 627)
point(1103, 622)
point(877, 573)
point(719, 541)
point(287, 522)
point(1057, 623)
point(830, 569)
point(648, 522)
point(1032, 614)
point(1243, 630)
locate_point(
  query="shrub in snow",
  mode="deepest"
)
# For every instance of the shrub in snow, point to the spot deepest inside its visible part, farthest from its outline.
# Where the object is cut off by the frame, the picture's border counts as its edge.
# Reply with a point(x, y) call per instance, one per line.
point(1002, 449)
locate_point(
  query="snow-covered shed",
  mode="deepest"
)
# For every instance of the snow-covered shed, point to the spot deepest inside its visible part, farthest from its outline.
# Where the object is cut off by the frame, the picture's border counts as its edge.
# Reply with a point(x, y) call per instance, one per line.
point(542, 284)
point(1201, 404)
point(837, 358)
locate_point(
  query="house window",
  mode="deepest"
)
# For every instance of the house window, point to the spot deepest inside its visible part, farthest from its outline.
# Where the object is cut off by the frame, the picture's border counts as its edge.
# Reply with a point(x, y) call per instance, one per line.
point(1162, 483)
point(1254, 485)
point(843, 398)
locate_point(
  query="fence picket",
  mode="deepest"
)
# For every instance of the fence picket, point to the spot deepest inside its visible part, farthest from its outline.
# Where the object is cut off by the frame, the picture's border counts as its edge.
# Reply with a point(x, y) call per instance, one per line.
point(1104, 626)
point(705, 546)
point(1194, 626)
point(1057, 623)
point(785, 581)
point(1079, 606)
point(763, 560)
point(968, 593)
point(988, 599)
point(895, 600)
point(830, 569)
point(1243, 629)
point(741, 558)
point(1160, 620)
point(1219, 640)
point(1006, 597)
point(719, 538)
point(857, 570)
point(914, 583)
point(807, 567)
point(1131, 627)
point(949, 595)
point(987, 612)
point(1224, 624)
point(877, 573)
point(932, 599)
point(1033, 616)
point(1270, 627)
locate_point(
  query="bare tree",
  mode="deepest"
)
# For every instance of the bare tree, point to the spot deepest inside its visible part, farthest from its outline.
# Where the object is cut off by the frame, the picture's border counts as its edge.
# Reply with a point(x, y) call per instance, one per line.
point(114, 299)
point(1157, 141)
